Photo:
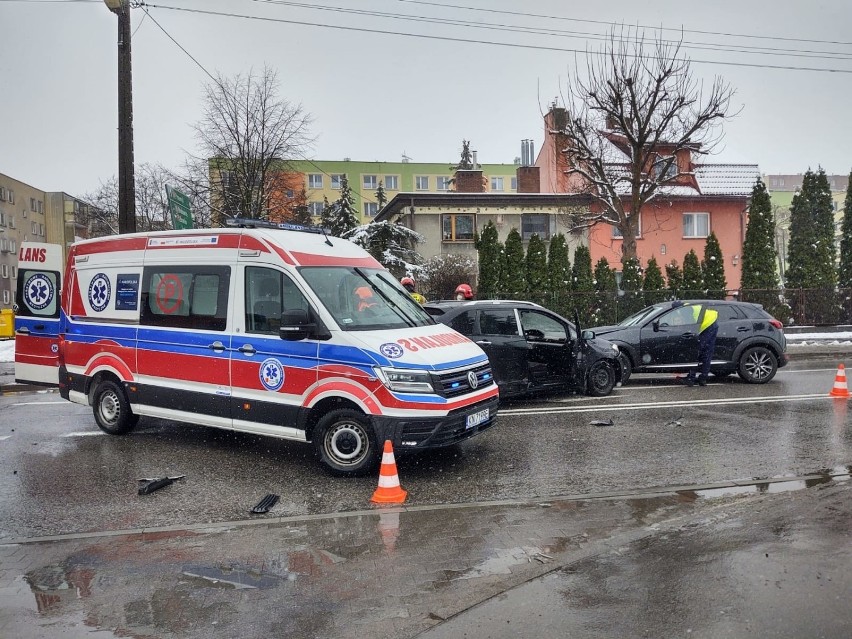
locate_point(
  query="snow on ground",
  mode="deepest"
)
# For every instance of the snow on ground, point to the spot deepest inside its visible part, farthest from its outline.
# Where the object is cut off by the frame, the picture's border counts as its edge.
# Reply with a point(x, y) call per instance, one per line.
point(7, 350)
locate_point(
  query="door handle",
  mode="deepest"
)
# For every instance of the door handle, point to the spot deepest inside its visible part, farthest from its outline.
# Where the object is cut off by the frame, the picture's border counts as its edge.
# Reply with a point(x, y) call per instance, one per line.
point(248, 349)
point(23, 331)
point(688, 335)
point(742, 329)
point(216, 346)
point(484, 342)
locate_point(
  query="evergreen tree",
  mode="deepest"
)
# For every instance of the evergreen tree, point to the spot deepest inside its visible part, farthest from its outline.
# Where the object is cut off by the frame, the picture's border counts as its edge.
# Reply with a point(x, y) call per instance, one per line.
point(559, 274)
point(713, 269)
point(301, 213)
point(674, 277)
point(536, 270)
point(631, 283)
point(345, 217)
point(327, 215)
point(812, 251)
point(583, 284)
point(606, 289)
point(490, 252)
point(393, 245)
point(693, 282)
point(513, 282)
point(760, 283)
point(845, 270)
point(654, 286)
point(381, 196)
point(466, 161)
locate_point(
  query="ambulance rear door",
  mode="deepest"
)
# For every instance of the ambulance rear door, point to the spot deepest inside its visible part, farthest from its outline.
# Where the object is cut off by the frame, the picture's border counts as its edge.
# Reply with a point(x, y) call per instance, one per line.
point(37, 310)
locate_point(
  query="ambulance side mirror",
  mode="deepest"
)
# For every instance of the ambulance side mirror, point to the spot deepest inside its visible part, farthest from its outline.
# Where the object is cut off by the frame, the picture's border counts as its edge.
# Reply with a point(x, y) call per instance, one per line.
point(296, 325)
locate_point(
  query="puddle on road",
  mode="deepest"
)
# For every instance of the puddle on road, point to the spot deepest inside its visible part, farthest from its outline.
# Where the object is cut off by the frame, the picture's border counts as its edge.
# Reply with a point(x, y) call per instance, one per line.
point(232, 578)
point(764, 487)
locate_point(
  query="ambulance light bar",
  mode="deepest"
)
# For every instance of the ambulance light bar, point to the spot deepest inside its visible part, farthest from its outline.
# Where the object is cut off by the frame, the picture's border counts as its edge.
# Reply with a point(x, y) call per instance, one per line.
point(247, 222)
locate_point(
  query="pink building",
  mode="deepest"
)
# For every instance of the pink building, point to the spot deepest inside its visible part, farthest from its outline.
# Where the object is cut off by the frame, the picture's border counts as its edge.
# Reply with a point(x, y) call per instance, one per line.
point(705, 198)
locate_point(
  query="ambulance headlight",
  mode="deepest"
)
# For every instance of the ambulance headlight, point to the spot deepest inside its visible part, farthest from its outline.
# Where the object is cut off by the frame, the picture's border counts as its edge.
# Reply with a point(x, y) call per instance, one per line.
point(406, 381)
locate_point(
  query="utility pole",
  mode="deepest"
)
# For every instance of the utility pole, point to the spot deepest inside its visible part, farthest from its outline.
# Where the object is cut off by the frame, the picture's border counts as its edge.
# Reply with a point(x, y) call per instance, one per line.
point(126, 179)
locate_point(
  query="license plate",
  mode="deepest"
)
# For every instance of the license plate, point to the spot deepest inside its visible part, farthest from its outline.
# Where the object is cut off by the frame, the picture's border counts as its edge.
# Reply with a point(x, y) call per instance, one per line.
point(475, 419)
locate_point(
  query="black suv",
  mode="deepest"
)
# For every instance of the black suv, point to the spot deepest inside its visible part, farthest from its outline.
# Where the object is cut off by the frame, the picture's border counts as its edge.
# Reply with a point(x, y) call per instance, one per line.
point(532, 349)
point(663, 337)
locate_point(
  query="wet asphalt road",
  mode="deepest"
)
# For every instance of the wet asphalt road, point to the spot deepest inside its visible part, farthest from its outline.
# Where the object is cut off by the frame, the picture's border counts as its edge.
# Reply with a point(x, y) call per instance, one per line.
point(62, 475)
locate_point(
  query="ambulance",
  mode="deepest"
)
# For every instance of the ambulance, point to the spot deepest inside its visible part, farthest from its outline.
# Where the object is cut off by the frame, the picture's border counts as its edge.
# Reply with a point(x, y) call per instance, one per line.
point(276, 330)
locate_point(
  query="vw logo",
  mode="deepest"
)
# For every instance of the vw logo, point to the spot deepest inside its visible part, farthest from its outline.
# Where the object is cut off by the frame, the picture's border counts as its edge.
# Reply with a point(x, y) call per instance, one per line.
point(471, 379)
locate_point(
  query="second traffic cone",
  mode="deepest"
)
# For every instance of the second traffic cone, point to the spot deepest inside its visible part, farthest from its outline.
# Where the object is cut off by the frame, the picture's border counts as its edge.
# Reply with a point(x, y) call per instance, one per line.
point(840, 388)
point(389, 490)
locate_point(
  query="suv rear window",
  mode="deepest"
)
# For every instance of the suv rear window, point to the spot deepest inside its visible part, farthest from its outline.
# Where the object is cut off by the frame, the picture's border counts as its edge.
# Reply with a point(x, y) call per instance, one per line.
point(754, 312)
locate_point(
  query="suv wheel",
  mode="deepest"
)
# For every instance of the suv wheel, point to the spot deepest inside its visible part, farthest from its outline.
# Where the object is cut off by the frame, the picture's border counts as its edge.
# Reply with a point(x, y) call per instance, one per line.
point(757, 365)
point(345, 442)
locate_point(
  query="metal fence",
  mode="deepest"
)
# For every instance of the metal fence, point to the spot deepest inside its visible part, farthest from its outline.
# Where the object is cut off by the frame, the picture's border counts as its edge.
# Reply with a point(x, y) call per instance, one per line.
point(808, 307)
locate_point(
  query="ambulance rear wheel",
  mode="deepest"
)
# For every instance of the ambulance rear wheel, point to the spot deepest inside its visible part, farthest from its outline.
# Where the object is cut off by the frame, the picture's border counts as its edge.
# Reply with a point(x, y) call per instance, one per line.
point(345, 442)
point(112, 410)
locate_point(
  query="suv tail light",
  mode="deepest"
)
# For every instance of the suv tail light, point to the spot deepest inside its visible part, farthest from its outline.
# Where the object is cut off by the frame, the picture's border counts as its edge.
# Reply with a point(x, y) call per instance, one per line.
point(776, 323)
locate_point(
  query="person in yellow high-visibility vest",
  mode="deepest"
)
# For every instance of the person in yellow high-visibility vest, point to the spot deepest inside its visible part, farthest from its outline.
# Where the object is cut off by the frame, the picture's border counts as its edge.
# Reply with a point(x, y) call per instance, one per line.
point(708, 327)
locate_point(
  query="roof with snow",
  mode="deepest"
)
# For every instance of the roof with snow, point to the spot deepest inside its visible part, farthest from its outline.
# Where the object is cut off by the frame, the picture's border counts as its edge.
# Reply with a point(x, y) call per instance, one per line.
point(727, 179)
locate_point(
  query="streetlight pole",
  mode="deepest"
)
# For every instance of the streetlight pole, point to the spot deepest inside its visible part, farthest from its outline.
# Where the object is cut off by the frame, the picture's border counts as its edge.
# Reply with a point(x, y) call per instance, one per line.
point(126, 179)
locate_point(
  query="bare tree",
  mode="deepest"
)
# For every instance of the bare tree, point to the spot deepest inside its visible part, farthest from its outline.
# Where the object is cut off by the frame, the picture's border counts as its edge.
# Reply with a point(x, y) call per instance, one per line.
point(630, 123)
point(248, 133)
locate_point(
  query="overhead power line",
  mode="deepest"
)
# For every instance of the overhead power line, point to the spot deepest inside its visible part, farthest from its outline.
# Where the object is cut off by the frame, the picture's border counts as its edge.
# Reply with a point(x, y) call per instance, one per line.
point(607, 23)
point(551, 31)
point(474, 41)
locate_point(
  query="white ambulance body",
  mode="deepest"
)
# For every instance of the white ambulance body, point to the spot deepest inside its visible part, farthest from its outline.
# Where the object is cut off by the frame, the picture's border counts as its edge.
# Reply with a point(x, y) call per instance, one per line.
point(286, 333)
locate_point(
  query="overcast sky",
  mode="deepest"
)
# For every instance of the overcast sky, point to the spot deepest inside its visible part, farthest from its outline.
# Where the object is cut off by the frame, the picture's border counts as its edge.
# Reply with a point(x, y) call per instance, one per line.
point(375, 96)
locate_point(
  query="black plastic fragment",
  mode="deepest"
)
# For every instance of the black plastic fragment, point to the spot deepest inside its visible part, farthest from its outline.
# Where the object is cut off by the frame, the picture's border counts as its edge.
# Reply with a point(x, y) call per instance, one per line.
point(265, 504)
point(155, 484)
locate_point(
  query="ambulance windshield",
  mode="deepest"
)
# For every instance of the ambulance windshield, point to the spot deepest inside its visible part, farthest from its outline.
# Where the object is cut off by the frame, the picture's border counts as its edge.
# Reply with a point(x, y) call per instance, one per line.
point(363, 299)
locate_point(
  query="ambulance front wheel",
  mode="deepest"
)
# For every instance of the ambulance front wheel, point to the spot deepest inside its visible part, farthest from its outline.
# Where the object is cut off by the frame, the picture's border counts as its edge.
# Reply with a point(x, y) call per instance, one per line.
point(346, 443)
point(112, 410)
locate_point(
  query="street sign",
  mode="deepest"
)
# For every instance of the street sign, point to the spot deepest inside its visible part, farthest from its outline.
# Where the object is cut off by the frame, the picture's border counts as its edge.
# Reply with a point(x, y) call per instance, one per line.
point(180, 209)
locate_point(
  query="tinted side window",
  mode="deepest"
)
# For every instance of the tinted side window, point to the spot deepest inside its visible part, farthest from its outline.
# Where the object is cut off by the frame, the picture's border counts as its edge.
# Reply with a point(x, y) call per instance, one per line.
point(498, 322)
point(727, 312)
point(186, 297)
point(463, 323)
point(753, 312)
point(38, 293)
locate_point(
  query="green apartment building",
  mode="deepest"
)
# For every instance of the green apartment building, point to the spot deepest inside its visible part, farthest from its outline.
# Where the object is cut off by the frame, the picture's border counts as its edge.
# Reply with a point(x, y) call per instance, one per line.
point(322, 180)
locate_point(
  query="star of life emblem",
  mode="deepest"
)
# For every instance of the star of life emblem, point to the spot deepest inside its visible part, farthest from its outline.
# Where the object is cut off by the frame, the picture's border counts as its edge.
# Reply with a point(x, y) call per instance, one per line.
point(271, 374)
point(38, 291)
point(99, 292)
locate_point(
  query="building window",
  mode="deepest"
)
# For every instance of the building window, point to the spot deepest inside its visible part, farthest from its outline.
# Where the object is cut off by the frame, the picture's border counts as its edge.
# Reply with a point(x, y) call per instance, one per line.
point(11, 221)
point(2, 218)
point(4, 271)
point(34, 228)
point(13, 246)
point(773, 182)
point(41, 229)
point(11, 195)
point(2, 194)
point(6, 297)
point(535, 223)
point(421, 182)
point(370, 182)
point(663, 172)
point(4, 245)
point(336, 180)
point(696, 224)
point(443, 183)
point(315, 181)
point(457, 228)
point(32, 204)
point(14, 272)
point(370, 209)
point(616, 232)
point(780, 181)
point(392, 182)
point(40, 206)
point(496, 184)
point(315, 208)
point(514, 184)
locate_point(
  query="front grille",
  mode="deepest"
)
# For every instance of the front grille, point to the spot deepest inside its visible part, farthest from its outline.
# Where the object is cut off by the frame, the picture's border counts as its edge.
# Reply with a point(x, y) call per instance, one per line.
point(457, 383)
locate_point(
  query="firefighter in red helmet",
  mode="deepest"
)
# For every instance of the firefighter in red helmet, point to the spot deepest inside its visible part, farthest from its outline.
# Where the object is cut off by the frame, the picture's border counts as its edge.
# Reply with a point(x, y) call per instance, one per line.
point(464, 292)
point(408, 284)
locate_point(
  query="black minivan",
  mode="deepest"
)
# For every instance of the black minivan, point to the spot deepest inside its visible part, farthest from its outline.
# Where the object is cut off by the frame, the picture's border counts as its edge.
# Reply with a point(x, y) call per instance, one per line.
point(532, 349)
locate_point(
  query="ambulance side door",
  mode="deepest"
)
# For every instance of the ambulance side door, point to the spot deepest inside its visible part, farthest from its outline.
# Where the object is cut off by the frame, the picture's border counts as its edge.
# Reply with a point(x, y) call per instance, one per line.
point(270, 376)
point(37, 314)
point(183, 344)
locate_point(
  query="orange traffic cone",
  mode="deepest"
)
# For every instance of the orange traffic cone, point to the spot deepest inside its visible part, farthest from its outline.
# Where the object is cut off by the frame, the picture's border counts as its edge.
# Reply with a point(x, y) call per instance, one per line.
point(389, 490)
point(840, 388)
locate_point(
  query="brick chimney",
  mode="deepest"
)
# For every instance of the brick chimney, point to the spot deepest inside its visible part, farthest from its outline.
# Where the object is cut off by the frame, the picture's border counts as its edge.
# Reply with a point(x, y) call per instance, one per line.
point(469, 181)
point(528, 179)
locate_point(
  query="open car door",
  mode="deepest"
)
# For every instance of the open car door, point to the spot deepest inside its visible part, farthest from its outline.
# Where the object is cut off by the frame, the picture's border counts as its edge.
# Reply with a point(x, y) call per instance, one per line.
point(37, 313)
